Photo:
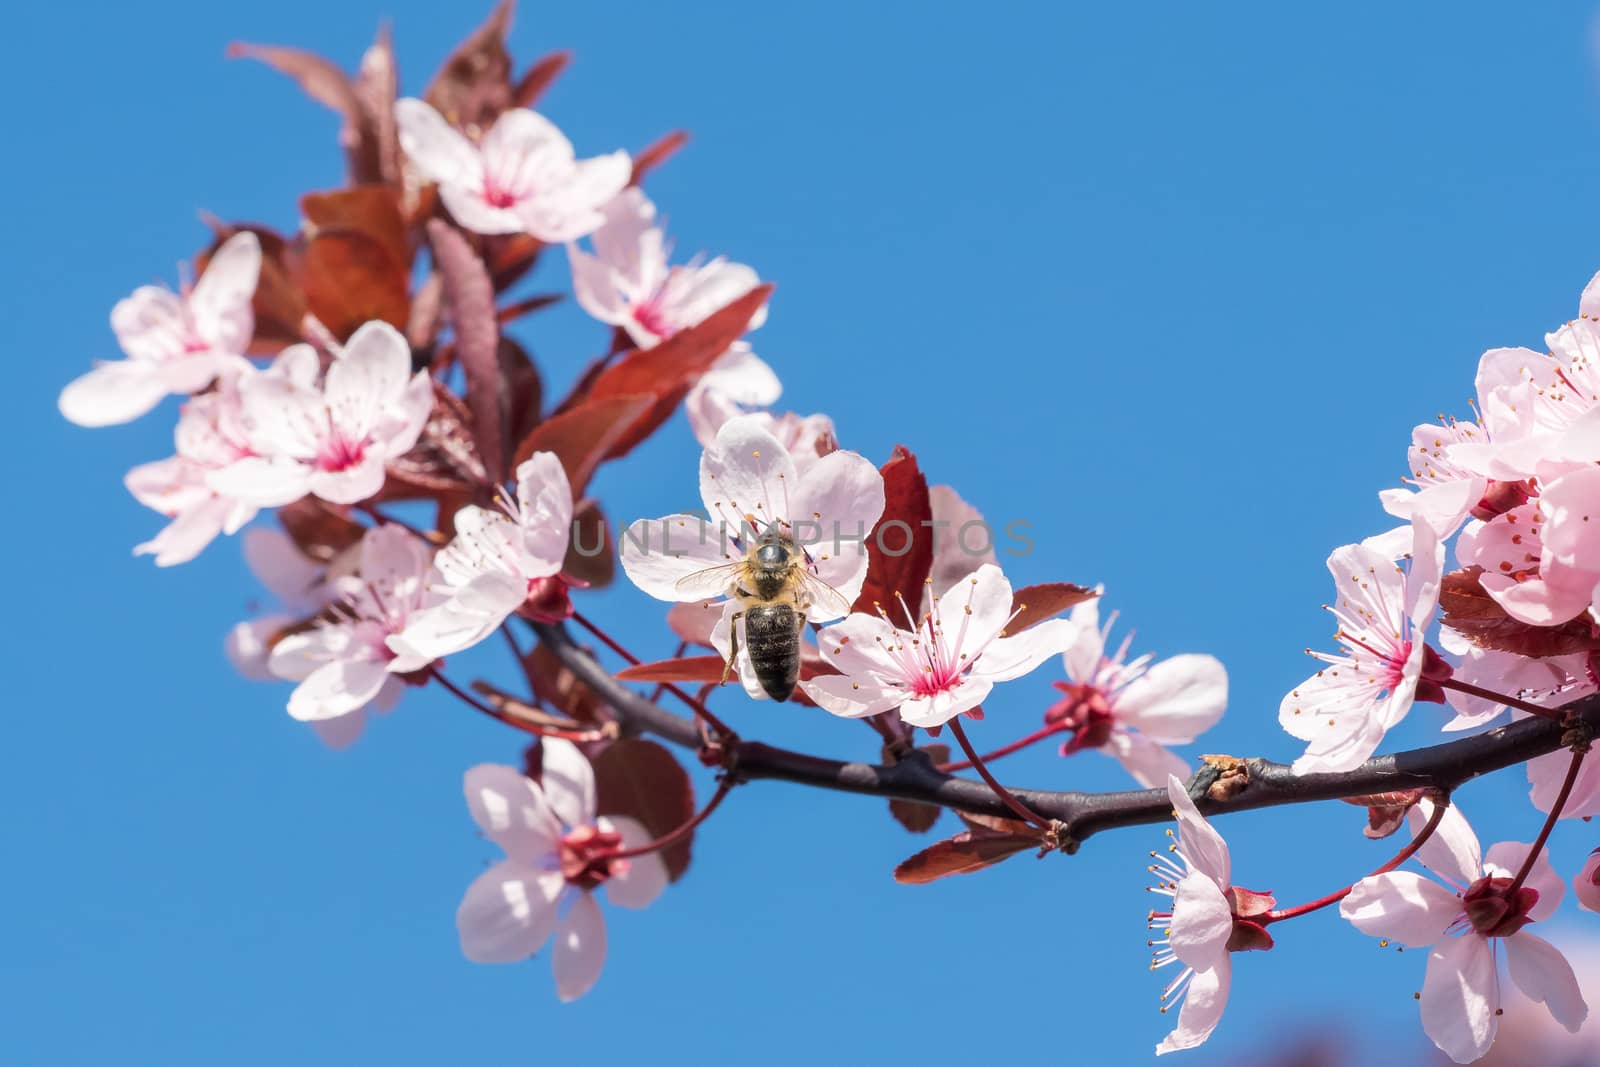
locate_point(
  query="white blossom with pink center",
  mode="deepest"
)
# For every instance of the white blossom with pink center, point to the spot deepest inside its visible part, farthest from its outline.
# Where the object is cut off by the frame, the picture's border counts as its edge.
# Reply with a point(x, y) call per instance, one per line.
point(1209, 919)
point(175, 342)
point(1533, 583)
point(343, 661)
point(212, 440)
point(1383, 611)
point(332, 440)
point(1446, 490)
point(938, 666)
point(1464, 925)
point(498, 563)
point(556, 857)
point(1133, 709)
point(522, 178)
point(749, 483)
point(1586, 884)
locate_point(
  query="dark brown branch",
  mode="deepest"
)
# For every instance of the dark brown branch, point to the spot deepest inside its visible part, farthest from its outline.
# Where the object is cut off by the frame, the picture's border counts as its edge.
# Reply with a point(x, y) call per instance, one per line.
point(1443, 767)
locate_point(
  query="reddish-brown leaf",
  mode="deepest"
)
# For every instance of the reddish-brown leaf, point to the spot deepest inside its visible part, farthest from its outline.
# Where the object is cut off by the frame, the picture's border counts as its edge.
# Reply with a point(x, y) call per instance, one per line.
point(583, 436)
point(318, 529)
point(474, 85)
point(1386, 811)
point(522, 389)
point(905, 532)
point(325, 83)
point(971, 850)
point(642, 780)
point(705, 669)
point(377, 84)
point(918, 818)
point(370, 210)
point(350, 279)
point(591, 554)
point(538, 77)
point(557, 687)
point(1469, 610)
point(470, 299)
point(656, 154)
point(510, 256)
point(1033, 604)
point(676, 362)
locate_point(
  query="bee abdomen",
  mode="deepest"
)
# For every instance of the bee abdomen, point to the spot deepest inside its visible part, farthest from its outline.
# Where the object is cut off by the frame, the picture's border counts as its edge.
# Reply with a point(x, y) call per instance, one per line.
point(772, 635)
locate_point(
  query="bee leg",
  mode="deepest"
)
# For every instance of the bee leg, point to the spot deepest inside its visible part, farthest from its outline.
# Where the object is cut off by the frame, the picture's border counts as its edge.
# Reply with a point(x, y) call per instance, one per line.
point(733, 647)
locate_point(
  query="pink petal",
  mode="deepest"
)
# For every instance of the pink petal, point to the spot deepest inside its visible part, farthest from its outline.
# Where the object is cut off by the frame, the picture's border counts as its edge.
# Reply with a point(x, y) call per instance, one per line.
point(658, 554)
point(1547, 772)
point(368, 377)
point(545, 501)
point(438, 150)
point(1011, 657)
point(1585, 887)
point(1177, 699)
point(645, 877)
point(747, 473)
point(1460, 995)
point(112, 393)
point(568, 782)
point(580, 949)
point(1202, 922)
point(1540, 970)
point(1203, 1004)
point(508, 913)
point(941, 707)
point(1505, 859)
point(1145, 759)
point(248, 645)
point(336, 688)
point(351, 485)
point(278, 564)
point(262, 481)
point(220, 300)
point(341, 731)
point(1202, 847)
point(595, 287)
point(1082, 659)
point(1453, 851)
point(187, 535)
point(511, 811)
point(1401, 905)
point(467, 206)
point(840, 496)
point(851, 698)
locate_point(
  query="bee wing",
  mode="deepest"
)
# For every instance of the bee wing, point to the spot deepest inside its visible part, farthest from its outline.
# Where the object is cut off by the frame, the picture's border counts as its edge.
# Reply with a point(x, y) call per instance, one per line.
point(824, 596)
point(711, 582)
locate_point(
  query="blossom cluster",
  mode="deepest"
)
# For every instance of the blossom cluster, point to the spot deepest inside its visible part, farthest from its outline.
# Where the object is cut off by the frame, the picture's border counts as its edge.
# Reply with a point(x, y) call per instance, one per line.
point(357, 377)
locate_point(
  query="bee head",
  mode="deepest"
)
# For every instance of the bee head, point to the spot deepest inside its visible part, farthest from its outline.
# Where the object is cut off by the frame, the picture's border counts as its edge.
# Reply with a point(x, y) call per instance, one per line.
point(773, 549)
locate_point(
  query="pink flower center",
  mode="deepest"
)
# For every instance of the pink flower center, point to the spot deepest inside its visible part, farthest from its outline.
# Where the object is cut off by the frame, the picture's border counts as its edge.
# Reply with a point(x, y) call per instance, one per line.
point(1086, 711)
point(652, 317)
point(497, 195)
point(340, 453)
point(1493, 911)
point(585, 856)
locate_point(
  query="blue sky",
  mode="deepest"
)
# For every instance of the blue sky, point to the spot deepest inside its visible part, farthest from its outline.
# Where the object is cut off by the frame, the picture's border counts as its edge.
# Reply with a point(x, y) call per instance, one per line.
point(1171, 284)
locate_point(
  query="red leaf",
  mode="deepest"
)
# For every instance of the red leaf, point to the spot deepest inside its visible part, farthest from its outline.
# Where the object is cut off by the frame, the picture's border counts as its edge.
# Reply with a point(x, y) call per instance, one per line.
point(964, 853)
point(1036, 603)
point(906, 513)
point(1479, 618)
point(474, 85)
point(278, 305)
point(667, 370)
point(523, 389)
point(1386, 811)
point(583, 436)
point(370, 210)
point(319, 530)
point(350, 279)
point(470, 298)
point(705, 669)
point(642, 780)
point(658, 153)
point(918, 818)
point(538, 77)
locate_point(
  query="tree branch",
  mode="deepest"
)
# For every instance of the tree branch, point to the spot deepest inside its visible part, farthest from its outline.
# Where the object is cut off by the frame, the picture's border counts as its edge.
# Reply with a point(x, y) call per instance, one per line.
point(1443, 767)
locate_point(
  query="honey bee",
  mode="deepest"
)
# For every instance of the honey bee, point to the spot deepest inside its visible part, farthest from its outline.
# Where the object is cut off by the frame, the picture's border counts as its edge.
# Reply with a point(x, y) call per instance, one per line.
point(774, 586)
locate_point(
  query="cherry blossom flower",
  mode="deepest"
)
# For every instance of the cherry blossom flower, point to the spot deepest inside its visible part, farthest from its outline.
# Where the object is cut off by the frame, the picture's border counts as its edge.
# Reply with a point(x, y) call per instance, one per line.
point(213, 443)
point(1446, 488)
point(936, 667)
point(522, 178)
point(1383, 611)
point(807, 437)
point(499, 562)
point(1132, 710)
point(343, 662)
point(175, 342)
point(298, 584)
point(749, 483)
point(1586, 885)
point(1533, 584)
point(958, 549)
point(1464, 927)
point(556, 857)
point(1209, 919)
point(334, 440)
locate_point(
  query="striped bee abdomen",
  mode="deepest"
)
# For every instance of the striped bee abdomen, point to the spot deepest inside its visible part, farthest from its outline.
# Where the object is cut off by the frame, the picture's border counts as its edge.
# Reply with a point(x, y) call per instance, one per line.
point(772, 636)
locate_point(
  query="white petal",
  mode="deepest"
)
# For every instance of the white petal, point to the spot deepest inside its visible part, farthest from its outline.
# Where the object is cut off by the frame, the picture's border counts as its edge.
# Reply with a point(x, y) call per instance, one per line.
point(507, 913)
point(511, 811)
point(1012, 657)
point(1401, 905)
point(646, 875)
point(840, 497)
point(748, 473)
point(112, 393)
point(657, 554)
point(580, 949)
point(568, 782)
point(440, 151)
point(351, 485)
point(336, 688)
point(1202, 922)
point(1177, 699)
point(943, 706)
point(1505, 859)
point(851, 698)
point(1460, 995)
point(1203, 1004)
point(220, 300)
point(1147, 760)
point(1453, 851)
point(1544, 974)
point(544, 499)
point(1198, 840)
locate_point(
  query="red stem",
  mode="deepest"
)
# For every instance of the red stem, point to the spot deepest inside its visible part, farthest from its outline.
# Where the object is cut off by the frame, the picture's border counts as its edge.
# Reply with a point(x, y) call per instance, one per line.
point(1500, 698)
point(696, 706)
point(1400, 857)
point(1000, 791)
point(1549, 821)
point(673, 837)
point(1005, 750)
